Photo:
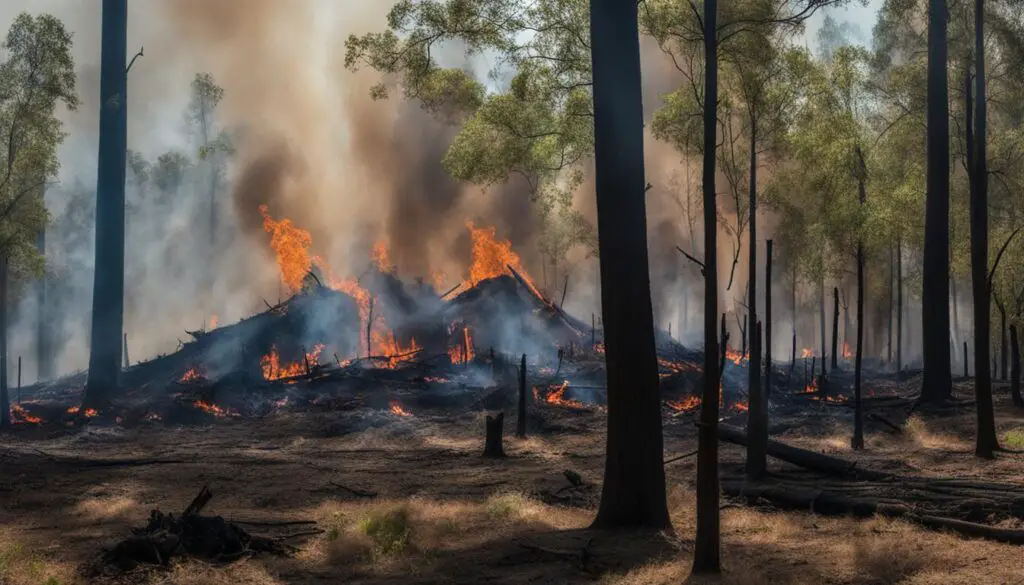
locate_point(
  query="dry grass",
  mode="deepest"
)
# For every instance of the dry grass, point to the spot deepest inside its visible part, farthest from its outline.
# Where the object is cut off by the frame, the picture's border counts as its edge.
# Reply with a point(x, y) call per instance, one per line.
point(920, 434)
point(20, 564)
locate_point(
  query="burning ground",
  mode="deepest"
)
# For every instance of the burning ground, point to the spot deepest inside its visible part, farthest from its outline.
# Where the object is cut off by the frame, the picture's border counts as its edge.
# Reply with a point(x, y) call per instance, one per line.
point(346, 422)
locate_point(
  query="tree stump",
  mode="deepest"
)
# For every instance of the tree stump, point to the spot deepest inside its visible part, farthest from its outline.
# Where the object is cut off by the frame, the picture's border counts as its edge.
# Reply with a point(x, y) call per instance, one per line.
point(495, 426)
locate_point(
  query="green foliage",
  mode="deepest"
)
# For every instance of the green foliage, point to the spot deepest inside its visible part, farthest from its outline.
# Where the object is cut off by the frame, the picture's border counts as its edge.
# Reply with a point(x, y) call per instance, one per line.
point(389, 530)
point(170, 170)
point(36, 77)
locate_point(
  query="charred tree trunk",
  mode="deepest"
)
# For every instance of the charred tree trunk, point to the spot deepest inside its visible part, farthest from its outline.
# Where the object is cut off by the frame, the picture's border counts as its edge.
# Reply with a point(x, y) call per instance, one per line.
point(937, 383)
point(633, 493)
point(966, 371)
point(743, 337)
point(857, 442)
point(108, 283)
point(724, 336)
point(495, 430)
point(835, 327)
point(1018, 401)
point(793, 309)
point(892, 282)
point(757, 422)
point(707, 543)
point(987, 443)
point(899, 304)
point(5, 399)
point(767, 320)
point(521, 420)
point(44, 341)
point(754, 366)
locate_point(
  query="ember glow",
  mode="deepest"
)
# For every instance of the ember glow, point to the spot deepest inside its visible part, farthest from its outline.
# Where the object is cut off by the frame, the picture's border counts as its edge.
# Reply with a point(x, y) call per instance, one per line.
point(393, 351)
point(20, 415)
point(558, 397)
point(807, 352)
point(273, 370)
point(812, 387)
point(687, 404)
point(396, 409)
point(846, 351)
point(291, 246)
point(213, 322)
point(734, 356)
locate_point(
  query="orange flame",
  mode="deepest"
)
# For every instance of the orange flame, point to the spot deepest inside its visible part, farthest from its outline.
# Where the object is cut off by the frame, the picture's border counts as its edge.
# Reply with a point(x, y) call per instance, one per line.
point(492, 257)
point(20, 415)
point(440, 280)
point(812, 387)
point(272, 369)
point(392, 350)
point(734, 356)
point(846, 351)
point(396, 408)
point(741, 407)
point(89, 412)
point(464, 347)
point(380, 256)
point(210, 408)
point(291, 245)
point(213, 322)
point(557, 397)
point(807, 352)
point(688, 404)
point(190, 376)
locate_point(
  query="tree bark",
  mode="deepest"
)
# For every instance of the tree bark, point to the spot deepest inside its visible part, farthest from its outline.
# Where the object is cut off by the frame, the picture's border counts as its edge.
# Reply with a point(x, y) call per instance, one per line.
point(892, 282)
point(521, 420)
point(44, 340)
point(793, 356)
point(835, 327)
point(1018, 401)
point(824, 338)
point(937, 383)
point(495, 429)
point(633, 492)
point(987, 443)
point(1003, 346)
point(108, 283)
point(767, 320)
point(707, 543)
point(754, 365)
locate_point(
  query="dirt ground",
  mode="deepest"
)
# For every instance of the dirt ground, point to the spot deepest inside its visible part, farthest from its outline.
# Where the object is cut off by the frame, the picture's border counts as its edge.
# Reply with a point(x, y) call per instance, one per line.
point(443, 514)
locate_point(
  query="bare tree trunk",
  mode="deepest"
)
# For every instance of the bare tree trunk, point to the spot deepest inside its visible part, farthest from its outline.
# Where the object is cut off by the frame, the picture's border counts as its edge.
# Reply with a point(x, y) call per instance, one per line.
point(1003, 347)
point(44, 341)
point(835, 327)
point(108, 285)
point(793, 357)
point(937, 383)
point(857, 442)
point(899, 304)
point(987, 443)
point(707, 543)
point(1018, 401)
point(633, 491)
point(757, 421)
point(892, 284)
point(767, 321)
point(521, 420)
point(821, 319)
point(5, 400)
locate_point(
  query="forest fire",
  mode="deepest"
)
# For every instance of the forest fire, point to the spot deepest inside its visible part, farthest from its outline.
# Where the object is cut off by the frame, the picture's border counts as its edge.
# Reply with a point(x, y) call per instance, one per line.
point(192, 375)
point(462, 352)
point(687, 404)
point(20, 415)
point(806, 353)
point(734, 356)
point(213, 322)
point(811, 387)
point(396, 409)
point(211, 408)
point(846, 351)
point(557, 396)
point(381, 257)
point(393, 352)
point(291, 245)
point(89, 412)
point(273, 370)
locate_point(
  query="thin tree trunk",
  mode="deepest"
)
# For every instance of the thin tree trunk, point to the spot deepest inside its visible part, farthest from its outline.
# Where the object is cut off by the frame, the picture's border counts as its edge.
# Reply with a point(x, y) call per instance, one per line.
point(892, 283)
point(1018, 401)
point(1003, 346)
point(5, 400)
point(793, 357)
point(821, 319)
point(754, 366)
point(767, 321)
point(937, 383)
point(707, 543)
point(899, 304)
point(757, 421)
point(857, 442)
point(108, 285)
point(987, 442)
point(633, 491)
point(835, 327)
point(44, 361)
point(521, 420)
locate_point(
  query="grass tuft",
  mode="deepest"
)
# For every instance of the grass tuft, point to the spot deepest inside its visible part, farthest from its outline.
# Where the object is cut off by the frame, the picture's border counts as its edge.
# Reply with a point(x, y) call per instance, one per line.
point(389, 530)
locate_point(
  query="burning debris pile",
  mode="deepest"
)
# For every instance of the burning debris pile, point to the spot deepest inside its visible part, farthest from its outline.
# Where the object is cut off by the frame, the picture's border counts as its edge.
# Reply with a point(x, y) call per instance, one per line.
point(376, 333)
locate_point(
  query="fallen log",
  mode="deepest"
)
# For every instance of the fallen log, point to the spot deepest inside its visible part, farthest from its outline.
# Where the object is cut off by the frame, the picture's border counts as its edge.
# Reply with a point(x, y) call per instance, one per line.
point(802, 457)
point(831, 503)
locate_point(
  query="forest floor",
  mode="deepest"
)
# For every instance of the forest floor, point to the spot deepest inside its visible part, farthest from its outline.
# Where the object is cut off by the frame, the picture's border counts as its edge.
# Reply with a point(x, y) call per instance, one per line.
point(444, 514)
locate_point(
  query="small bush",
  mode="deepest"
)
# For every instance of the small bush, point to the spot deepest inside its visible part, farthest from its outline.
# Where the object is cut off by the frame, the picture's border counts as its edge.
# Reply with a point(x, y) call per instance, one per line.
point(389, 530)
point(508, 505)
point(1014, 439)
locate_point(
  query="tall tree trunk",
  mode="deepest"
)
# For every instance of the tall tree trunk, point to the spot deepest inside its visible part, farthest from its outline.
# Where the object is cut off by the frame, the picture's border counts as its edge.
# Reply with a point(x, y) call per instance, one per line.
point(707, 544)
point(767, 322)
point(5, 399)
point(44, 353)
point(954, 299)
point(1018, 401)
point(892, 298)
point(937, 382)
point(857, 442)
point(899, 304)
point(835, 327)
point(987, 442)
point(633, 493)
point(821, 319)
point(108, 285)
point(793, 356)
point(757, 421)
point(521, 419)
point(1003, 347)
point(754, 366)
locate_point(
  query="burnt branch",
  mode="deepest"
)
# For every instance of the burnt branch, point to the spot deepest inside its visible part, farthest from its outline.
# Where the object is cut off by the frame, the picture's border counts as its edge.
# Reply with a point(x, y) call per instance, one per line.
point(692, 259)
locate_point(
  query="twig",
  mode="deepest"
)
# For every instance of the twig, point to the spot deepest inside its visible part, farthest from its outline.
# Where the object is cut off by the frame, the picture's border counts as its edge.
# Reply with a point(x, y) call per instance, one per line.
point(692, 259)
point(132, 62)
point(355, 492)
point(677, 458)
